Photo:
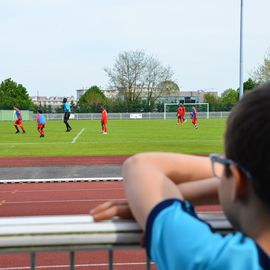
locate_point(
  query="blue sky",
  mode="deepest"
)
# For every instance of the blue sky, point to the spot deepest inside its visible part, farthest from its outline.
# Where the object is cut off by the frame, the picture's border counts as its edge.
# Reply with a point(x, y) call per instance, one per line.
point(54, 47)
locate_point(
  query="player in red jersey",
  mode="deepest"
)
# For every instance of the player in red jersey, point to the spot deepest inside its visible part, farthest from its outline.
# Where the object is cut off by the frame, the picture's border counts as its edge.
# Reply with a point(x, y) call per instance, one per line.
point(104, 121)
point(194, 117)
point(19, 121)
point(181, 114)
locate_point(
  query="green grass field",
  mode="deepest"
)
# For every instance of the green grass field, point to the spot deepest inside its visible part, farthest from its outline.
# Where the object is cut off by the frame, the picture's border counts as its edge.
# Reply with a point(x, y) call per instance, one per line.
point(125, 137)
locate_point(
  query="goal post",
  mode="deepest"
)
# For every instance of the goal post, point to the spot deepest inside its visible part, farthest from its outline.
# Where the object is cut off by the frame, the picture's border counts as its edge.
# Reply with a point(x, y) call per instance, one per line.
point(170, 109)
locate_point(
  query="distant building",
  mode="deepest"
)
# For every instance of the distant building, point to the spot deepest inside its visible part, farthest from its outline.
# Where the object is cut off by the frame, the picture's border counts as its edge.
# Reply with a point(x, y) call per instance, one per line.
point(80, 92)
point(174, 96)
point(186, 97)
point(53, 101)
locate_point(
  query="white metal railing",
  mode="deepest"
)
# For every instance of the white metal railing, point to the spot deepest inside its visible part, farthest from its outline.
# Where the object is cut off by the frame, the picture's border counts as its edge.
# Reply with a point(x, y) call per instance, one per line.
point(79, 232)
point(127, 116)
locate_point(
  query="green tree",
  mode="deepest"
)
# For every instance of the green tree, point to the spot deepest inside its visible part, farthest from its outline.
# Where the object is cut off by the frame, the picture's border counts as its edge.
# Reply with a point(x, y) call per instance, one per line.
point(12, 94)
point(92, 100)
point(229, 98)
point(116, 105)
point(249, 84)
point(262, 72)
point(214, 101)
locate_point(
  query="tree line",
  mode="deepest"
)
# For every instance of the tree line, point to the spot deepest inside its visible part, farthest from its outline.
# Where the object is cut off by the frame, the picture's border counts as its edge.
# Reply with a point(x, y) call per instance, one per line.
point(140, 81)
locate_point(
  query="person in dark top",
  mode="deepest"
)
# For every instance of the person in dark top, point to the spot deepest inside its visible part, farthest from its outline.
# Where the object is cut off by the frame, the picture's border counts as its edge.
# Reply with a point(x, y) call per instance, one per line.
point(67, 112)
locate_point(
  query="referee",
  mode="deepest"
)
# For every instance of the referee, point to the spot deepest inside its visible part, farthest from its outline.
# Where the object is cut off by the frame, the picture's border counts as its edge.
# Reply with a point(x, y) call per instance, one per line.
point(67, 114)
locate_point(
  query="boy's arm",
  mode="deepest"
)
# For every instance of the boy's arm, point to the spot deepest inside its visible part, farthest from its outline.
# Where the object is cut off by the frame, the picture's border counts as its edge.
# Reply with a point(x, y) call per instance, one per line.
point(153, 177)
point(201, 192)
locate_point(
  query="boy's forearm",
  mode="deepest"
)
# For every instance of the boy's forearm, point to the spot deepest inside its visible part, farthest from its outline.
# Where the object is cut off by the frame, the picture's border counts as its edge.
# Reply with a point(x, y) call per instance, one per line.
point(201, 192)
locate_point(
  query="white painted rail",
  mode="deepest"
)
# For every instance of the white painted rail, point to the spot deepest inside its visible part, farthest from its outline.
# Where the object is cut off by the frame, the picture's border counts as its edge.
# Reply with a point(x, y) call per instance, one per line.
point(79, 232)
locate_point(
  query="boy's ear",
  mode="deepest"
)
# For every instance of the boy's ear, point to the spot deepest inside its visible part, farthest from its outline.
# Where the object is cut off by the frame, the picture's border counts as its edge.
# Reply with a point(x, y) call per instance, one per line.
point(240, 184)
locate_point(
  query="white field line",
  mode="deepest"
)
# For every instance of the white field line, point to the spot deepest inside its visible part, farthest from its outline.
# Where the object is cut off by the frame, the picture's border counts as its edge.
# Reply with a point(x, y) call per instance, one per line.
point(33, 143)
point(78, 135)
point(65, 266)
point(94, 142)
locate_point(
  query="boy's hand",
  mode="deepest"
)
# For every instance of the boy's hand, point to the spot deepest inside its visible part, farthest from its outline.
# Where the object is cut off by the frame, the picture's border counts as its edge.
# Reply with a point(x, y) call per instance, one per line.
point(111, 209)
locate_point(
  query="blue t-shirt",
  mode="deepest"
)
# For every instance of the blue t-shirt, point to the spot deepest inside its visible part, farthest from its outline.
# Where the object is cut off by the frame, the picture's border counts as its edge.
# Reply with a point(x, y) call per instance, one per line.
point(194, 114)
point(177, 239)
point(41, 119)
point(67, 107)
point(19, 115)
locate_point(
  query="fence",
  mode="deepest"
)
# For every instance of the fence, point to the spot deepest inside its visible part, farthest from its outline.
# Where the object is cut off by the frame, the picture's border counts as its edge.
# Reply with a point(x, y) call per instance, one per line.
point(10, 115)
point(78, 232)
point(131, 116)
point(27, 115)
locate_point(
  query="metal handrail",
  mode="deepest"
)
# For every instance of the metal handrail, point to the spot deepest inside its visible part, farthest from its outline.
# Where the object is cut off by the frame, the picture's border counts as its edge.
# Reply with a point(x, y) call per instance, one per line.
point(79, 232)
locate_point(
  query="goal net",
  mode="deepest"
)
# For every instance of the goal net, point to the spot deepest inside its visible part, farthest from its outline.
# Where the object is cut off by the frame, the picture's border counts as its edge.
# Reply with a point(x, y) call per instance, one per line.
point(170, 110)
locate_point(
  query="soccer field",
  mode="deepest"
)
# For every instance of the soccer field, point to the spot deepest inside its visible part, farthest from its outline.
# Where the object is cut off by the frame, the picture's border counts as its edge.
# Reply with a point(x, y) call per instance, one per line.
point(125, 137)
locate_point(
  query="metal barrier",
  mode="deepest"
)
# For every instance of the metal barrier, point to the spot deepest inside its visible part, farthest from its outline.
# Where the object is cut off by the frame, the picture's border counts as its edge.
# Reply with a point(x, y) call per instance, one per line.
point(127, 116)
point(79, 232)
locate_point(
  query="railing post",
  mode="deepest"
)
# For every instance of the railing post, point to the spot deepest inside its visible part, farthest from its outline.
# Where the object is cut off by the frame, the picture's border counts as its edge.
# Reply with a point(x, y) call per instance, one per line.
point(110, 258)
point(72, 260)
point(148, 264)
point(33, 261)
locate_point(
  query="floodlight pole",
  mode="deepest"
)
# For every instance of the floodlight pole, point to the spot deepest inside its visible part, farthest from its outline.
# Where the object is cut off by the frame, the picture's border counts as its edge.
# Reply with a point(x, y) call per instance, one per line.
point(241, 51)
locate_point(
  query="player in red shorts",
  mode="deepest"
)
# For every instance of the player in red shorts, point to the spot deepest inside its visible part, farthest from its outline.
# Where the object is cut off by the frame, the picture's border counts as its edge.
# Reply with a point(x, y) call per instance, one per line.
point(19, 121)
point(41, 121)
point(183, 113)
point(179, 114)
point(194, 117)
point(104, 121)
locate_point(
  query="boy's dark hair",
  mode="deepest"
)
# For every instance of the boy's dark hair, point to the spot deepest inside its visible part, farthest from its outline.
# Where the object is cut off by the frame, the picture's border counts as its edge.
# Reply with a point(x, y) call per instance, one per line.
point(39, 111)
point(247, 138)
point(64, 100)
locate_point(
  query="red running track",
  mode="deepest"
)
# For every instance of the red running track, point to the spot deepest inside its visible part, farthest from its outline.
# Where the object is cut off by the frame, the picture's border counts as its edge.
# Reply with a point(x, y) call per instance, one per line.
point(60, 161)
point(64, 199)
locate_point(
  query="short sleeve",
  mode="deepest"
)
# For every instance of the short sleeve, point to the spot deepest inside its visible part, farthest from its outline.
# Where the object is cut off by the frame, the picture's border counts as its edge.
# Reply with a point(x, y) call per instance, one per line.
point(177, 239)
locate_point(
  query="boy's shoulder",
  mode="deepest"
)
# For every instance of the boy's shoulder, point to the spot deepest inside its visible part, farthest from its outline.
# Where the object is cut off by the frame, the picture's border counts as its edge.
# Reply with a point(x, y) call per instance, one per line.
point(191, 240)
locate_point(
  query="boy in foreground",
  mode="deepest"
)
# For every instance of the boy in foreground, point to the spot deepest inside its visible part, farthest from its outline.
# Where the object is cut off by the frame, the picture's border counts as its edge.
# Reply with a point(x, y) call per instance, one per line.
point(19, 121)
point(160, 188)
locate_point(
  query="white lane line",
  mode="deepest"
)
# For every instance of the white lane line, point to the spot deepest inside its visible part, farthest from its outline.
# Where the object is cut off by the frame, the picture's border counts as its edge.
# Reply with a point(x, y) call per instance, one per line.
point(78, 135)
point(60, 180)
point(59, 190)
point(65, 266)
point(65, 201)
